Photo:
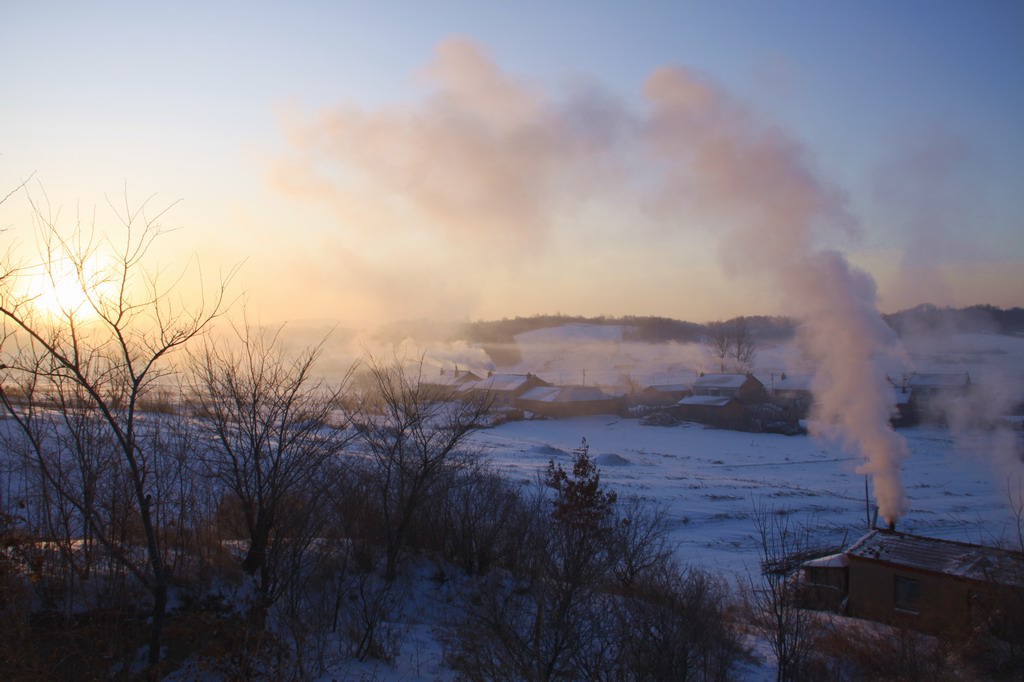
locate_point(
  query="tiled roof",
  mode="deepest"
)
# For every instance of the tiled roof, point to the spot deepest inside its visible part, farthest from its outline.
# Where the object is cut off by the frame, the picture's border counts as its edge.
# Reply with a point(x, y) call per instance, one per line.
point(451, 378)
point(721, 380)
point(668, 388)
point(502, 382)
point(707, 400)
point(973, 562)
point(954, 380)
point(565, 394)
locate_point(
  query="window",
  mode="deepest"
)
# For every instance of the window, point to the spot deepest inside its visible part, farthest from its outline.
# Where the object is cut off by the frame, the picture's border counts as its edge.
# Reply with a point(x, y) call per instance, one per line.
point(907, 594)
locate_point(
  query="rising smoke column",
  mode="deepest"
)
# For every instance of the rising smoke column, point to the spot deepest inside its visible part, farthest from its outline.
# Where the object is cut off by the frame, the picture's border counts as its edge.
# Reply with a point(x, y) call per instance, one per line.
point(754, 184)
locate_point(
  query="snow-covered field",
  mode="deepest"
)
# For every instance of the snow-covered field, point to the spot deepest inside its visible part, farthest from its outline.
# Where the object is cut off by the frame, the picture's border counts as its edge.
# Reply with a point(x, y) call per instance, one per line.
point(958, 483)
point(710, 480)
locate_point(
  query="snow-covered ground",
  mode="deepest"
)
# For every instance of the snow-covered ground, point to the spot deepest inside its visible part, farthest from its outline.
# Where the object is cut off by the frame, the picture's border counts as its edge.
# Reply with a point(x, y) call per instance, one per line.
point(958, 483)
point(710, 480)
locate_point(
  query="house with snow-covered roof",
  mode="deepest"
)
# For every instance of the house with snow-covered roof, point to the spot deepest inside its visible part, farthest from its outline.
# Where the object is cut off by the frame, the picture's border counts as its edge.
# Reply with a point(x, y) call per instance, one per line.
point(746, 387)
point(569, 401)
point(721, 411)
point(721, 400)
point(930, 396)
point(662, 395)
point(446, 384)
point(793, 391)
point(502, 390)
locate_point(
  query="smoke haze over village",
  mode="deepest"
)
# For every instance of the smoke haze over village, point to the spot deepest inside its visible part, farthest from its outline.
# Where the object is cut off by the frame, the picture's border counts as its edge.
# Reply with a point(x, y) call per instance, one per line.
point(471, 165)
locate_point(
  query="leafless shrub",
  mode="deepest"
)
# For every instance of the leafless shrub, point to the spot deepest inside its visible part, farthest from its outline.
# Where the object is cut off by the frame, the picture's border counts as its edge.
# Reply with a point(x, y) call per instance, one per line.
point(480, 520)
point(415, 441)
point(773, 596)
point(372, 620)
point(675, 625)
point(641, 540)
point(846, 649)
point(305, 616)
point(593, 594)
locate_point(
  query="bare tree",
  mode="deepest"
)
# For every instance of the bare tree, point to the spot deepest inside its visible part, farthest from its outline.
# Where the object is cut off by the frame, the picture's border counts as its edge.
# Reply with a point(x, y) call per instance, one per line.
point(732, 339)
point(274, 427)
point(673, 625)
point(744, 344)
point(641, 540)
point(93, 358)
point(774, 595)
point(718, 342)
point(414, 440)
point(548, 621)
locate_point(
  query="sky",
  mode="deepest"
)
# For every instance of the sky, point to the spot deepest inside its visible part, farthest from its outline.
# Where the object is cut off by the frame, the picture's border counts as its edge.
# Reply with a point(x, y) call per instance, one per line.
point(457, 160)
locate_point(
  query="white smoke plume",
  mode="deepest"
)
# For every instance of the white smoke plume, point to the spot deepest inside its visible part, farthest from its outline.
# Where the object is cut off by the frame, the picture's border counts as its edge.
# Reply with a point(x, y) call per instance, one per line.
point(756, 184)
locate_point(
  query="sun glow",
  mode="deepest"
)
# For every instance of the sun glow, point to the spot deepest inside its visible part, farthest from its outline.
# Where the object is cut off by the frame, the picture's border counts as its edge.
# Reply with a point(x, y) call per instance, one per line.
point(65, 291)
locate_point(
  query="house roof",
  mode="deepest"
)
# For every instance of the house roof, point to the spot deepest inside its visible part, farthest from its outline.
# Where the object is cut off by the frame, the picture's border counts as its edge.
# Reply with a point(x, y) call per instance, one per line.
point(707, 400)
point(565, 394)
point(722, 380)
point(947, 380)
point(668, 388)
point(962, 560)
point(793, 382)
point(840, 560)
point(450, 378)
point(503, 382)
point(932, 380)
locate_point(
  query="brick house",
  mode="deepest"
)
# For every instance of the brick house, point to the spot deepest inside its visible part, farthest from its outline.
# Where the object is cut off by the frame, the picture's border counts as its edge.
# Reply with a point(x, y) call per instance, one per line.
point(502, 390)
point(923, 583)
point(721, 400)
point(569, 401)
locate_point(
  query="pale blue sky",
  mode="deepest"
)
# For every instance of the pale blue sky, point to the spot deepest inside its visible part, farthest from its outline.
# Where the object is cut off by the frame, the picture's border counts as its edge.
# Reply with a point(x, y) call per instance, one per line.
point(912, 110)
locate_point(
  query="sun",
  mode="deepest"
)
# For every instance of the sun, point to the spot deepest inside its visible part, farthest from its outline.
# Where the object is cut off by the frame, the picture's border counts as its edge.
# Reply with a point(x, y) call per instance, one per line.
point(64, 291)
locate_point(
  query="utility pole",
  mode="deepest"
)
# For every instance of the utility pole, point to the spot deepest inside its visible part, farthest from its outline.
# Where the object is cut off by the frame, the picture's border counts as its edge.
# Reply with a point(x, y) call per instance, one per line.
point(867, 503)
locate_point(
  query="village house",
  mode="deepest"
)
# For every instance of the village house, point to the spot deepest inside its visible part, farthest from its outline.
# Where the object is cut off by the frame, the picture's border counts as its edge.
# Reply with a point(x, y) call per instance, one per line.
point(724, 412)
point(721, 400)
point(793, 391)
point(501, 390)
point(662, 395)
point(923, 583)
point(745, 387)
point(446, 384)
point(569, 401)
point(930, 396)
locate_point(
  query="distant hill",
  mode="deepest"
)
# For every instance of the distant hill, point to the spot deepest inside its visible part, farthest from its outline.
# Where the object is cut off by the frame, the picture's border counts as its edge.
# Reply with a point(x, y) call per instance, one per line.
point(925, 318)
point(929, 319)
point(645, 329)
